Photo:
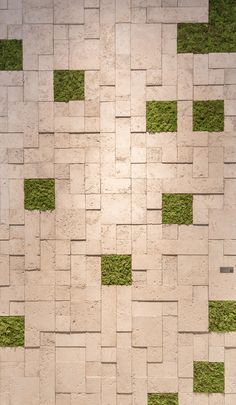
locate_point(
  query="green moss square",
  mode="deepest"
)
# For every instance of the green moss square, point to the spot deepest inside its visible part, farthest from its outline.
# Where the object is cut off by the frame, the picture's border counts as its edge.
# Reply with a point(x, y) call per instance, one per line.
point(217, 36)
point(222, 316)
point(161, 116)
point(68, 85)
point(11, 55)
point(116, 270)
point(163, 399)
point(208, 115)
point(208, 377)
point(39, 194)
point(192, 38)
point(177, 209)
point(12, 330)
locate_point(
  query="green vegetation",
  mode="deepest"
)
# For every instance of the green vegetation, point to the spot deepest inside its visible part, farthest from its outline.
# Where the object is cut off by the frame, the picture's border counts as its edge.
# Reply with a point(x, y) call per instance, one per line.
point(68, 85)
point(217, 36)
point(208, 377)
point(161, 116)
point(116, 270)
point(177, 209)
point(39, 194)
point(222, 316)
point(162, 399)
point(11, 57)
point(208, 115)
point(12, 331)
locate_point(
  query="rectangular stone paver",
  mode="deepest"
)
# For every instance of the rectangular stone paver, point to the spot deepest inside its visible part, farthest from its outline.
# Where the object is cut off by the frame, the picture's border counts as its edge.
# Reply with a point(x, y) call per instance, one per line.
point(87, 343)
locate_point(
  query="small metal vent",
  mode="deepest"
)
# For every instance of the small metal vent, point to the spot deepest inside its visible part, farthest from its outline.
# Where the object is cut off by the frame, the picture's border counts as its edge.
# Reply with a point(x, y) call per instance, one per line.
point(226, 269)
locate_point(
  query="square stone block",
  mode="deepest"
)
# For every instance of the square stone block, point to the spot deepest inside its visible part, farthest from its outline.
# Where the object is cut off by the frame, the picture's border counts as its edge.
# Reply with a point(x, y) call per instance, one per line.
point(70, 224)
point(116, 208)
point(222, 224)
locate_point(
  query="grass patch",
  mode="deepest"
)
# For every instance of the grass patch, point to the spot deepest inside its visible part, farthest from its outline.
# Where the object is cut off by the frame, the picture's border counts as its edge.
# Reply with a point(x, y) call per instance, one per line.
point(12, 330)
point(208, 115)
point(163, 399)
point(177, 209)
point(161, 116)
point(39, 194)
point(222, 316)
point(208, 377)
point(217, 36)
point(116, 270)
point(68, 85)
point(11, 55)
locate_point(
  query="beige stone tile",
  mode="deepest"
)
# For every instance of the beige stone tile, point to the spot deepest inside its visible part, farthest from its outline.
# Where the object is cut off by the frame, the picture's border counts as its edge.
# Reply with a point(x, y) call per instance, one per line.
point(108, 200)
point(124, 365)
point(208, 92)
point(192, 270)
point(124, 309)
point(68, 13)
point(154, 354)
point(38, 316)
point(108, 319)
point(200, 162)
point(147, 331)
point(123, 11)
point(229, 75)
point(70, 224)
point(25, 390)
point(70, 370)
point(169, 339)
point(169, 267)
point(201, 69)
point(144, 40)
point(193, 316)
point(221, 224)
point(201, 347)
point(185, 77)
point(5, 274)
point(162, 384)
point(138, 92)
point(116, 208)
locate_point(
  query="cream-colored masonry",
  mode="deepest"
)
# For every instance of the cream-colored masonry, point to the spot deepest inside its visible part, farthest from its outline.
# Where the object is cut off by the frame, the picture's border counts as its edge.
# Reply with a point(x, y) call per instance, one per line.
point(89, 344)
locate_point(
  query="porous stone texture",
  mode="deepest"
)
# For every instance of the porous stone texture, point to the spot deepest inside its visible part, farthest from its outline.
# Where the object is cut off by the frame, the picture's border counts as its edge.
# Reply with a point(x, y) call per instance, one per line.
point(87, 343)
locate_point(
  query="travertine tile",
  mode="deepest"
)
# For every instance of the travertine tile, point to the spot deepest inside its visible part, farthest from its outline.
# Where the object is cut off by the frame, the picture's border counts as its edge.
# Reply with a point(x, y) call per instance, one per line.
point(145, 46)
point(87, 344)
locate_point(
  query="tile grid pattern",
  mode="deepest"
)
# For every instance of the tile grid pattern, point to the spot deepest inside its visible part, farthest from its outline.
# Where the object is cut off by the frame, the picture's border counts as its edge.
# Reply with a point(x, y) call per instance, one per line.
point(84, 343)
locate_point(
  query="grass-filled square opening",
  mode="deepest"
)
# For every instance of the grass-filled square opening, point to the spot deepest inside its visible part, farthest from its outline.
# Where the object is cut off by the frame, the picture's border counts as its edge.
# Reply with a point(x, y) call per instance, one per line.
point(12, 329)
point(219, 35)
point(177, 209)
point(163, 399)
point(222, 316)
point(161, 116)
point(208, 115)
point(39, 194)
point(116, 270)
point(68, 85)
point(208, 377)
point(11, 54)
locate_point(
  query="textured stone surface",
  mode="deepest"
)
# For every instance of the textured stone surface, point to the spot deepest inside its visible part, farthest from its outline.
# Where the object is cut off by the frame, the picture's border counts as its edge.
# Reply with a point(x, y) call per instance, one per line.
point(89, 344)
